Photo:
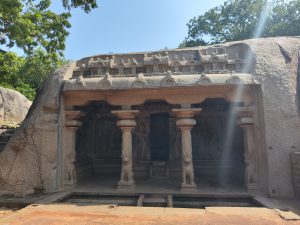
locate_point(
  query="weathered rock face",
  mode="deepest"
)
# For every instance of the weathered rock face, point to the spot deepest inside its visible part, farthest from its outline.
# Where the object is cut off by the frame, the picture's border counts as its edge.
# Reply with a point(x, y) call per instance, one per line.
point(13, 106)
point(32, 156)
point(277, 69)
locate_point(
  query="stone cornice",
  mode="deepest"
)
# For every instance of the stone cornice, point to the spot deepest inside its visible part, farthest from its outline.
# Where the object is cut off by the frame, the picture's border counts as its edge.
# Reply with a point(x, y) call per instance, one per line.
point(168, 80)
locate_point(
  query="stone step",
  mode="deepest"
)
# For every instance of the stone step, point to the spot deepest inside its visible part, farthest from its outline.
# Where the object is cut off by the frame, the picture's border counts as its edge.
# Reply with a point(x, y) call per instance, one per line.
point(155, 200)
point(122, 202)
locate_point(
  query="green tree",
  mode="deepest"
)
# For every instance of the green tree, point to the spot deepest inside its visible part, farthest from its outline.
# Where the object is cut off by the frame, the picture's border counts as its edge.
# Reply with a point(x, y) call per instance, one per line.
point(28, 24)
point(26, 74)
point(41, 33)
point(238, 19)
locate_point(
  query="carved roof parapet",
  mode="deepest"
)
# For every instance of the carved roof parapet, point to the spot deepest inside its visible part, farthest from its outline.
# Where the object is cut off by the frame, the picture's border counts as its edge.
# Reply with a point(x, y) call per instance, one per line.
point(184, 58)
point(156, 59)
point(211, 60)
point(99, 62)
point(216, 53)
point(127, 61)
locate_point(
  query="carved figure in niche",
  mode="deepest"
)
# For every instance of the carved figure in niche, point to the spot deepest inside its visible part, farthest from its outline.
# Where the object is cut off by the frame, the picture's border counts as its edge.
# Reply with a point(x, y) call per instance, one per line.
point(215, 62)
point(82, 68)
point(126, 174)
point(70, 174)
point(188, 170)
point(141, 137)
point(156, 60)
point(250, 168)
point(92, 63)
point(122, 62)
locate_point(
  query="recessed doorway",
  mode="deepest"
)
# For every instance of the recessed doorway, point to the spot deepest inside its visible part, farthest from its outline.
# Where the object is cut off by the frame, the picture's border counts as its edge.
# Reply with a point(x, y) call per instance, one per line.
point(159, 137)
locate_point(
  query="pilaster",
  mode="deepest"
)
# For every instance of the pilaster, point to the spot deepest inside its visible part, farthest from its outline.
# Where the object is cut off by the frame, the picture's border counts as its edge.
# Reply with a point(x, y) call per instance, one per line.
point(246, 122)
point(72, 123)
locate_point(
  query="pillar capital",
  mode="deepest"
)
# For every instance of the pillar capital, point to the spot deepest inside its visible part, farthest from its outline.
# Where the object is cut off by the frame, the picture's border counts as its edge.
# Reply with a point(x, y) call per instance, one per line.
point(72, 125)
point(125, 114)
point(73, 114)
point(186, 123)
point(246, 122)
point(125, 123)
point(72, 119)
point(186, 112)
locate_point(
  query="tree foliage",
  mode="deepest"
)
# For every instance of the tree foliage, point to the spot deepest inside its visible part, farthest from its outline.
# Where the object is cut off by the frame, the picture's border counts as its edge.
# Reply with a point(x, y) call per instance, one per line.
point(26, 74)
point(238, 19)
point(30, 25)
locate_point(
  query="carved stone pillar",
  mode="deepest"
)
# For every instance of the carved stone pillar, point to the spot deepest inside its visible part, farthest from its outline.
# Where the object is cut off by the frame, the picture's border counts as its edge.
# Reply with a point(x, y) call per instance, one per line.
point(133, 70)
point(126, 123)
point(121, 70)
point(186, 122)
point(246, 122)
point(72, 124)
point(99, 71)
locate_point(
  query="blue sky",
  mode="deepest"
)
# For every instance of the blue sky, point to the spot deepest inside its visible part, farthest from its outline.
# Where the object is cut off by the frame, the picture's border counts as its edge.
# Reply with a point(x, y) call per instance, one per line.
point(131, 25)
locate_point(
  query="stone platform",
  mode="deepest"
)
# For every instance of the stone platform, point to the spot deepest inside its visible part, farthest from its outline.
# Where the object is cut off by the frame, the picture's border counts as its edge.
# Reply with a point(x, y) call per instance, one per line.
point(109, 214)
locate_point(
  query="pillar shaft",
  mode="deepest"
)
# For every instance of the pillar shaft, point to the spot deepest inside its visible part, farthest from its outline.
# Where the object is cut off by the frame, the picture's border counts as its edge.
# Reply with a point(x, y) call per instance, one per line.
point(186, 140)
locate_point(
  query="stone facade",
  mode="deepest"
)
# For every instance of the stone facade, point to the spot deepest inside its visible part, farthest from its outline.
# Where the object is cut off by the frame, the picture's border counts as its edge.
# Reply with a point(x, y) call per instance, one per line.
point(252, 77)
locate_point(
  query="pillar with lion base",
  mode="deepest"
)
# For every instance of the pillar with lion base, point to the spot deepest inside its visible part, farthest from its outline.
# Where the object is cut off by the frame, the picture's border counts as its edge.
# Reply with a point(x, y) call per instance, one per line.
point(72, 123)
point(246, 122)
point(126, 123)
point(186, 122)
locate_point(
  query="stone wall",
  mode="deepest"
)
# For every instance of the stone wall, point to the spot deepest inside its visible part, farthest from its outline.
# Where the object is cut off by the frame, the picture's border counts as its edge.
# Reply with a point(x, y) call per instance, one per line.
point(29, 158)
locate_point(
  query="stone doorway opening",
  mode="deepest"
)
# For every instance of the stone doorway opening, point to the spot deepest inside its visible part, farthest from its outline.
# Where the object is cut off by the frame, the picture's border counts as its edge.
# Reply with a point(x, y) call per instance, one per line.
point(98, 144)
point(159, 137)
point(218, 161)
